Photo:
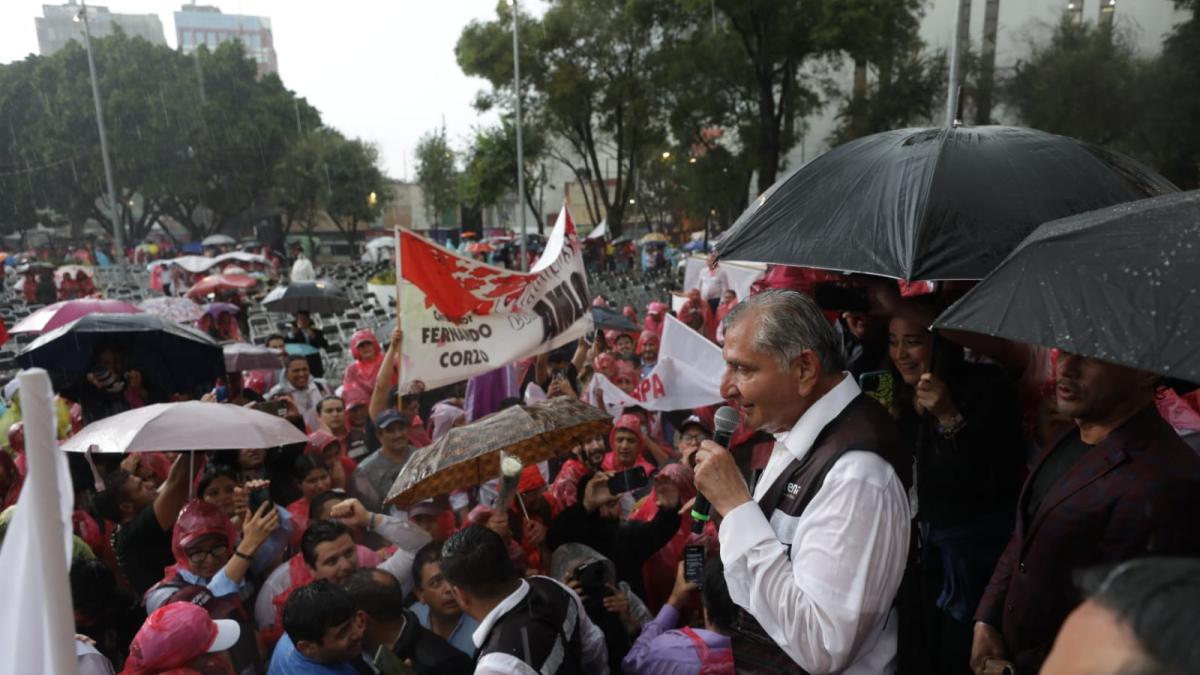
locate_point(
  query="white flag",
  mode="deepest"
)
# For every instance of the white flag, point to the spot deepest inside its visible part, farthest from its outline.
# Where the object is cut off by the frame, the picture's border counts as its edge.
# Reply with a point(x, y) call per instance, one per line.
point(37, 628)
point(686, 375)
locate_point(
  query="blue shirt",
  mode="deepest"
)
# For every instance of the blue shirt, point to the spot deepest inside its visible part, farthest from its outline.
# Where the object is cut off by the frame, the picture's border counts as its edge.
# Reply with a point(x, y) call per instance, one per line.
point(289, 661)
point(460, 639)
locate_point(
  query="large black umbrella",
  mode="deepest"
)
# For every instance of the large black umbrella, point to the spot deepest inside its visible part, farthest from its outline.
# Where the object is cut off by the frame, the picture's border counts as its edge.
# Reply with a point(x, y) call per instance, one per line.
point(944, 203)
point(319, 297)
point(1121, 284)
point(171, 357)
point(607, 317)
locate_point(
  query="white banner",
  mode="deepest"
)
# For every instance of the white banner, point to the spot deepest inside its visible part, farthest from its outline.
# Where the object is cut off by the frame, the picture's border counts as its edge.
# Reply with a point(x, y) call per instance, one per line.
point(462, 317)
point(687, 375)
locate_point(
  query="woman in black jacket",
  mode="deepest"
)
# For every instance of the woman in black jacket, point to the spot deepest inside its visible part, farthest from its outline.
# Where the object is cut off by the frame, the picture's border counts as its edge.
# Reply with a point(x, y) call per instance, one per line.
point(963, 423)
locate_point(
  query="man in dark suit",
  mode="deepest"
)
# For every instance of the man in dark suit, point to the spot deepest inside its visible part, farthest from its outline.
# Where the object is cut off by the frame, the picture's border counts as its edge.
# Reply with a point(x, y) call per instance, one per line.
point(1119, 485)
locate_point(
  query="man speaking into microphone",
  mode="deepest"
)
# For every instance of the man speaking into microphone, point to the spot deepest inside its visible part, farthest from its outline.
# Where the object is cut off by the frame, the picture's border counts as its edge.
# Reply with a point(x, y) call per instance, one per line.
point(815, 546)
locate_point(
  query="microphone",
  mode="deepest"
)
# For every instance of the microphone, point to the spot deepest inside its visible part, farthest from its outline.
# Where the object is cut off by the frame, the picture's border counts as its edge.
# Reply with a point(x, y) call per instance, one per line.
point(725, 422)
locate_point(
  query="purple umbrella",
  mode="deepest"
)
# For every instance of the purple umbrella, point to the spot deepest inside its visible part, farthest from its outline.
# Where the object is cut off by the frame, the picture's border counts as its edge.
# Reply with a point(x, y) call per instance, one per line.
point(62, 313)
point(215, 309)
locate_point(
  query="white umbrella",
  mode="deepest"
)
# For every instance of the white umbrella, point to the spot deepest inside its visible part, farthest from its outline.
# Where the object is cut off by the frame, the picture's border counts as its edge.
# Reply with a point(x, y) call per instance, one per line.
point(190, 425)
point(218, 240)
point(241, 356)
point(193, 263)
point(241, 256)
point(172, 309)
point(381, 242)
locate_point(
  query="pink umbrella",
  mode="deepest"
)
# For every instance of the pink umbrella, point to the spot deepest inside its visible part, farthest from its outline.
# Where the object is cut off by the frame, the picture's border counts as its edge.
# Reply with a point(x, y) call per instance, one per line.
point(221, 282)
point(188, 425)
point(61, 313)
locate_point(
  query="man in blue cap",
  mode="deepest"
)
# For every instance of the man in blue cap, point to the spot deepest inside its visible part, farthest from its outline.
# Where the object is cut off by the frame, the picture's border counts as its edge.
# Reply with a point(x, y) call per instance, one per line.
point(374, 476)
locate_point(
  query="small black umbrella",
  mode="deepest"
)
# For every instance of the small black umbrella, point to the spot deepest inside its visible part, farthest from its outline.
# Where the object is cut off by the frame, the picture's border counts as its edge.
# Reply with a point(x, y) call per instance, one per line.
point(172, 357)
point(1121, 284)
point(930, 204)
point(319, 297)
point(607, 317)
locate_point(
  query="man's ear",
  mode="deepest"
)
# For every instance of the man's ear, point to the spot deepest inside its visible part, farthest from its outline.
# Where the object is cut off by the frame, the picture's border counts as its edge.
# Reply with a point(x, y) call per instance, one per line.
point(308, 648)
point(806, 369)
point(461, 598)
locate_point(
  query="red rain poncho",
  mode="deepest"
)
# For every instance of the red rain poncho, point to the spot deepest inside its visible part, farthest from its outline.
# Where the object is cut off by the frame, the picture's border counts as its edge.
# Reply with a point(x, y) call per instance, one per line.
point(360, 376)
point(198, 519)
point(628, 423)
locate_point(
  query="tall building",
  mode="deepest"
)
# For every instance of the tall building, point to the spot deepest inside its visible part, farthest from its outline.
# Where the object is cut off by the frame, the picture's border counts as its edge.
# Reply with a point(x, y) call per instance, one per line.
point(58, 25)
point(197, 25)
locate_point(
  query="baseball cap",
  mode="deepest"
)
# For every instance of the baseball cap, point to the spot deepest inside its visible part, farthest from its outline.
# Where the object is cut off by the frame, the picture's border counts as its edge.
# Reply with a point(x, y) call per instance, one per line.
point(389, 417)
point(354, 400)
point(175, 634)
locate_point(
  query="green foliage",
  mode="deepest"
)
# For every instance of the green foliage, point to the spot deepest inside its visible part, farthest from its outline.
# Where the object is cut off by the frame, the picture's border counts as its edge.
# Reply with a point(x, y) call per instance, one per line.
point(1079, 83)
point(1089, 82)
point(491, 166)
point(325, 172)
point(196, 138)
point(589, 71)
point(437, 175)
point(907, 85)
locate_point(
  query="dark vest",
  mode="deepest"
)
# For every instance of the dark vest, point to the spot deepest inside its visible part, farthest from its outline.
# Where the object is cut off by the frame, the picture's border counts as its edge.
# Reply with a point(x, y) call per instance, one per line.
point(543, 630)
point(863, 425)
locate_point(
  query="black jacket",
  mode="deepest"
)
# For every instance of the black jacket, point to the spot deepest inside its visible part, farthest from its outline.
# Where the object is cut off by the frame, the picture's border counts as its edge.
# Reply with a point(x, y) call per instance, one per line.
point(627, 543)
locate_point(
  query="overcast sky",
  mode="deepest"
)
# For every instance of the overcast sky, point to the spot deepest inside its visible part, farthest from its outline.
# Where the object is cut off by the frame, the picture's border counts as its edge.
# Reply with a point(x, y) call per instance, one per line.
point(380, 70)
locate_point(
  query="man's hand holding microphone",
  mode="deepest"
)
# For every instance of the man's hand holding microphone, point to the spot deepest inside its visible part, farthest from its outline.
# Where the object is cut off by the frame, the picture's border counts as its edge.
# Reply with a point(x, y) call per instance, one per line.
point(719, 482)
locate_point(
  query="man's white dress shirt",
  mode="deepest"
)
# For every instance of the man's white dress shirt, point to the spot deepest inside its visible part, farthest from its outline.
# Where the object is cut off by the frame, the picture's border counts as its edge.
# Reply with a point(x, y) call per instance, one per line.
point(595, 652)
point(830, 606)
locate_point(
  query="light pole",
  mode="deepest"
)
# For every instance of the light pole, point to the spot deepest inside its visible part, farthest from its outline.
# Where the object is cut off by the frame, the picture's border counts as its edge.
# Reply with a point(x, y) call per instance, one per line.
point(520, 145)
point(118, 235)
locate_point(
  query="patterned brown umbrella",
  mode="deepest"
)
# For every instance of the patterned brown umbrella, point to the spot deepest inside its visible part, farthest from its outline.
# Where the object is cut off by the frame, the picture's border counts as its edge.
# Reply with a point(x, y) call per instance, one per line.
point(469, 455)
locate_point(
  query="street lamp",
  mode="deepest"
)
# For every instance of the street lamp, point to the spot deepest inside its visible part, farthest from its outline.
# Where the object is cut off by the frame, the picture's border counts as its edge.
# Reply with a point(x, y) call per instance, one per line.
point(666, 154)
point(516, 10)
point(371, 199)
point(118, 235)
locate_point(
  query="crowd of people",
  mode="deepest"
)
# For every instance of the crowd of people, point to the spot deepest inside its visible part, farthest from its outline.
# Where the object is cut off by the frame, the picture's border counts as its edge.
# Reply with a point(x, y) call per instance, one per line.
point(892, 500)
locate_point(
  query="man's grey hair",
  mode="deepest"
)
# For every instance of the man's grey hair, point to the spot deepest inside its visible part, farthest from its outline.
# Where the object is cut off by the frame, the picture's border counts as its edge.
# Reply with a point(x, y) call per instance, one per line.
point(790, 322)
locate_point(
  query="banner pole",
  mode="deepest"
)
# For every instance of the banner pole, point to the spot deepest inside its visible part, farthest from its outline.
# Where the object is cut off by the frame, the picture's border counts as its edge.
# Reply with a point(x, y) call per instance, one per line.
point(399, 274)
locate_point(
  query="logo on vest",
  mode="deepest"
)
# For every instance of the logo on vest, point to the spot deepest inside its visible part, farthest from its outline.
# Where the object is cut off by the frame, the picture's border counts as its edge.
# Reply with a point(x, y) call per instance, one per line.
point(793, 489)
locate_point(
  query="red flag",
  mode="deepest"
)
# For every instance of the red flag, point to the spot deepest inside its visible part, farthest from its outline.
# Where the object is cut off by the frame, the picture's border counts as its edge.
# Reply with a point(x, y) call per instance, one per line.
point(457, 286)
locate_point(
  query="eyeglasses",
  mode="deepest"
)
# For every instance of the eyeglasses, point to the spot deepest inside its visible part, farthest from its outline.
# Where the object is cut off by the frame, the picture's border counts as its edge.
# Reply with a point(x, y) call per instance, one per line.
point(197, 556)
point(693, 438)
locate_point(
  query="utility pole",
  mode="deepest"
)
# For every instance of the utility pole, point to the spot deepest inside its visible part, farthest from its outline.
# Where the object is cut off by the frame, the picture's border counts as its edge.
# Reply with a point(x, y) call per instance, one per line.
point(987, 62)
point(118, 225)
point(962, 25)
point(520, 147)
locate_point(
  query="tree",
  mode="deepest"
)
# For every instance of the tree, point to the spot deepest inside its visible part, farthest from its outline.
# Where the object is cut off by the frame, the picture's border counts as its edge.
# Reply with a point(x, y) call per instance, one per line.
point(200, 151)
point(589, 69)
point(1080, 83)
point(357, 190)
point(437, 175)
point(244, 128)
point(491, 166)
point(908, 87)
point(1089, 82)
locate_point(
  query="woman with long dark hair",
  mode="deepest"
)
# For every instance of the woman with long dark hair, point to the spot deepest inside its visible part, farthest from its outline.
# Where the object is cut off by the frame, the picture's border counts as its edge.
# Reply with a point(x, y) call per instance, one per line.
point(962, 421)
